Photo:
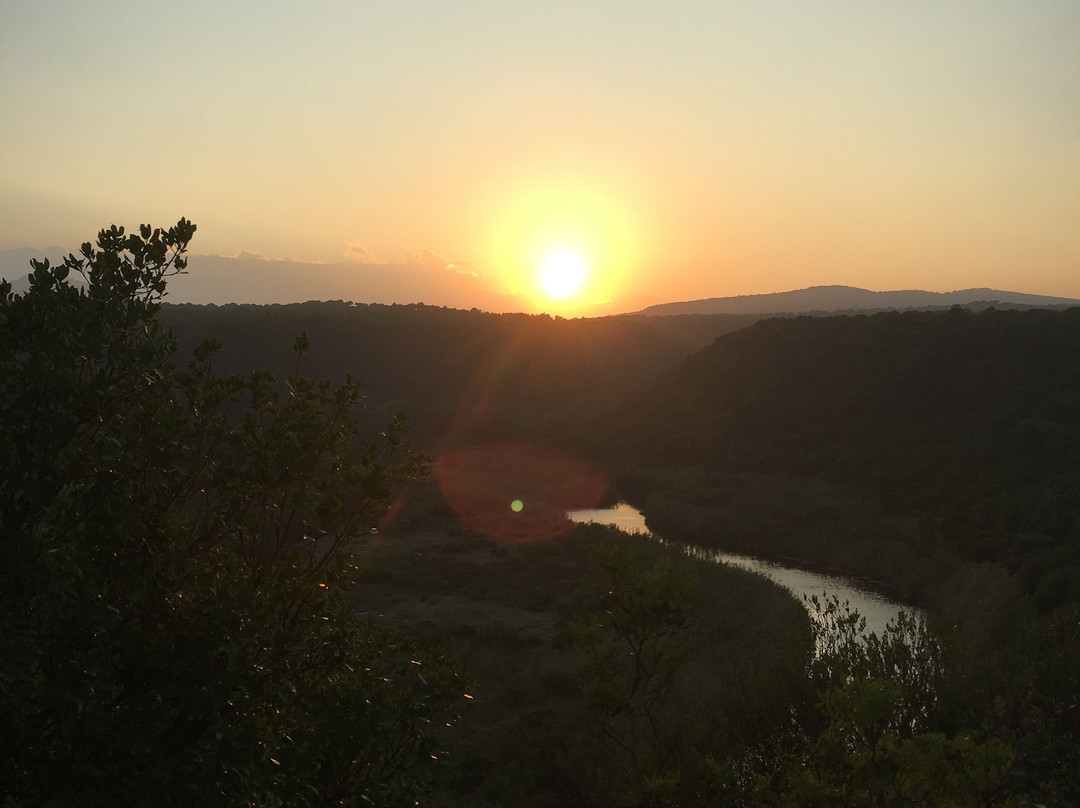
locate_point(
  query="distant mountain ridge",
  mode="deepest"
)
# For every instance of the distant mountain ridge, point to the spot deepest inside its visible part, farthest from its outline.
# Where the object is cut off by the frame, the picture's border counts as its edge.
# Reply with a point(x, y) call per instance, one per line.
point(826, 299)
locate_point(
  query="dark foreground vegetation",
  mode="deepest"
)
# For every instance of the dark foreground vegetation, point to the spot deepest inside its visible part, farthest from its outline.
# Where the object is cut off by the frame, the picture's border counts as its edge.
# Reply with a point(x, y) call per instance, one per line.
point(592, 656)
point(174, 625)
point(194, 609)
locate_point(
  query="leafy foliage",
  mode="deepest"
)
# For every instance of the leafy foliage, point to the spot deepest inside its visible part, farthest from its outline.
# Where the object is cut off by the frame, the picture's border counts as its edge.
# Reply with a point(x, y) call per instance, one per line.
point(635, 653)
point(908, 719)
point(906, 655)
point(172, 629)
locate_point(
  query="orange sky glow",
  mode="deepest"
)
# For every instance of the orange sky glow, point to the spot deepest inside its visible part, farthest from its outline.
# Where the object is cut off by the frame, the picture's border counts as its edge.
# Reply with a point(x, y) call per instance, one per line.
point(684, 150)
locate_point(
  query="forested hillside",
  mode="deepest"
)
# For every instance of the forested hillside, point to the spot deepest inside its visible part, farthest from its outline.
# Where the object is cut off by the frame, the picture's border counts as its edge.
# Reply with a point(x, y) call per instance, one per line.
point(941, 435)
point(967, 423)
point(458, 373)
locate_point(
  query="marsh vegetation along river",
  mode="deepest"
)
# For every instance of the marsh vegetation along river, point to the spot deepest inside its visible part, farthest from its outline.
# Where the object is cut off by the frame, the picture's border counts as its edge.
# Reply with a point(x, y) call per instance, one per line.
point(802, 583)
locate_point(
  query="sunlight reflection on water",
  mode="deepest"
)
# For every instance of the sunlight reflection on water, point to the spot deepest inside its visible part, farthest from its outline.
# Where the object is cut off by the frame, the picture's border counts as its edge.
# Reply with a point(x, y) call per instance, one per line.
point(877, 609)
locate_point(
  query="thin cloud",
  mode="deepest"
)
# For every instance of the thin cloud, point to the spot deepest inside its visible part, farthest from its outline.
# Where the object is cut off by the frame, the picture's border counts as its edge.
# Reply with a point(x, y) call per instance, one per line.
point(357, 253)
point(427, 259)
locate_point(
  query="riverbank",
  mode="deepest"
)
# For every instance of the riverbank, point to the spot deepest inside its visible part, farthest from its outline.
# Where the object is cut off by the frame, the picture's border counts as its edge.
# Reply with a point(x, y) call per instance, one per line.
point(803, 581)
point(804, 523)
point(508, 611)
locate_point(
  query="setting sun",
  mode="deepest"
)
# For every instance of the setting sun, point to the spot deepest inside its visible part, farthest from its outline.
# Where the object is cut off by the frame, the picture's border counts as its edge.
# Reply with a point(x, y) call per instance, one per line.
point(562, 274)
point(567, 243)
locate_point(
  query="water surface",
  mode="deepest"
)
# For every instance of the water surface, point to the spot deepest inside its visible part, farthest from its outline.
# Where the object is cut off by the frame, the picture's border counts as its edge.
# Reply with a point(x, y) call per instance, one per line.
point(802, 583)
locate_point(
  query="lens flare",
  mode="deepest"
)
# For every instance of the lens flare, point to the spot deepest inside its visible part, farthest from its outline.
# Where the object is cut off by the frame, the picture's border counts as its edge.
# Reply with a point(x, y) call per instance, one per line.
point(479, 481)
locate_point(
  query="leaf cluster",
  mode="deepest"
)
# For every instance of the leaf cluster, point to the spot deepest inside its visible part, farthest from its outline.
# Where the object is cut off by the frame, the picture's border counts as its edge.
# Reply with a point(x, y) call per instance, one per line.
point(172, 627)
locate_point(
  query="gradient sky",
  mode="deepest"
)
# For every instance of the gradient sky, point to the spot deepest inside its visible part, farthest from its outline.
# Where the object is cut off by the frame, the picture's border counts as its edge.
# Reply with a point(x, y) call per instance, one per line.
point(685, 149)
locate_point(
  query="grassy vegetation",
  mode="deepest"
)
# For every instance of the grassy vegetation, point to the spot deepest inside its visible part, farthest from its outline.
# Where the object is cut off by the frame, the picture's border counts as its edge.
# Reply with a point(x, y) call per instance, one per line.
point(508, 611)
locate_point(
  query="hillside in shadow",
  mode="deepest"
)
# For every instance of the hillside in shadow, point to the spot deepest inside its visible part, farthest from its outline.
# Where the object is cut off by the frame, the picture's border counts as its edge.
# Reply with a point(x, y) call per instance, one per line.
point(457, 374)
point(966, 424)
point(892, 445)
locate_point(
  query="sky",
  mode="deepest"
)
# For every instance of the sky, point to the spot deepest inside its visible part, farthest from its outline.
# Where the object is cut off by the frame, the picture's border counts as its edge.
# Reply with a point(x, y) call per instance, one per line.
point(681, 150)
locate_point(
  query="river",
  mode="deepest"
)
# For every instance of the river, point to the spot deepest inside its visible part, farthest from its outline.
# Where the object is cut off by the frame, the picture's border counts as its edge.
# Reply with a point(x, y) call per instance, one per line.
point(877, 609)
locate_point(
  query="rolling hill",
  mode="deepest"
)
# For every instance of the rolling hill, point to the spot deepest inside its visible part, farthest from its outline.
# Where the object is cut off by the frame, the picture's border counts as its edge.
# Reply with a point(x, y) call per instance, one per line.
point(832, 299)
